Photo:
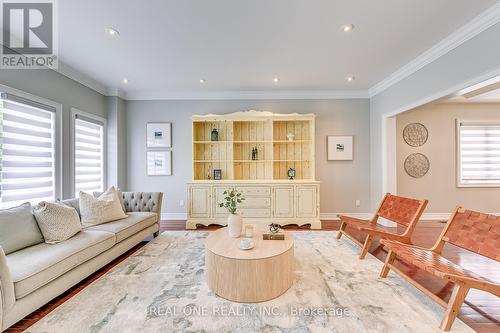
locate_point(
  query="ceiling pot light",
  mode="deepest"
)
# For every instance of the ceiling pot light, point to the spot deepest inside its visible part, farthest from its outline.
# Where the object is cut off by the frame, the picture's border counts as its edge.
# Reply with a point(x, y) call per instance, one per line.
point(202, 80)
point(276, 80)
point(112, 32)
point(125, 81)
point(348, 27)
point(350, 78)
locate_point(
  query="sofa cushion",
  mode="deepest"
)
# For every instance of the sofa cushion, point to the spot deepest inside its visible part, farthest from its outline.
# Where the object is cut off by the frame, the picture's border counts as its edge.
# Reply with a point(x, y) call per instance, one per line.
point(35, 266)
point(75, 203)
point(57, 222)
point(120, 196)
point(18, 228)
point(105, 208)
point(123, 229)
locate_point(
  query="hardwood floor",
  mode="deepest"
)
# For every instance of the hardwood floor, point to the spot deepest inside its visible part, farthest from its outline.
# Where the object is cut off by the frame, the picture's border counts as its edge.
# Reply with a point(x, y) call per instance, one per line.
point(481, 310)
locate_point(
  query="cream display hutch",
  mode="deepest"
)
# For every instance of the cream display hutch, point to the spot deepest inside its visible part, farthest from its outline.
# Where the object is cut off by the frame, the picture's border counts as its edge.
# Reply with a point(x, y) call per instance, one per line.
point(254, 152)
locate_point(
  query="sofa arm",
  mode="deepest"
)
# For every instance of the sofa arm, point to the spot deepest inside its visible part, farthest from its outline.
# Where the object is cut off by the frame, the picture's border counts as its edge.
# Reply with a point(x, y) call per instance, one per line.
point(143, 202)
point(7, 296)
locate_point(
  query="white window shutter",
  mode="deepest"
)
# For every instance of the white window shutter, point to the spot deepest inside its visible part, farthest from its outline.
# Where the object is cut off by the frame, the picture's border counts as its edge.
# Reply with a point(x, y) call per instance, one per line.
point(89, 155)
point(27, 152)
point(479, 154)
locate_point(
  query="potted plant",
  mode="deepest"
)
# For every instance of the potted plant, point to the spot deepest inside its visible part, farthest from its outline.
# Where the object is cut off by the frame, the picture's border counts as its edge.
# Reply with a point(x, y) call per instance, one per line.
point(234, 222)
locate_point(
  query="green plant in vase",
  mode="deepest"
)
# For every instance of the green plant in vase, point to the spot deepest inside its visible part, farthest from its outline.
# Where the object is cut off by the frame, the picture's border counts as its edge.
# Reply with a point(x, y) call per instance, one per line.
point(234, 221)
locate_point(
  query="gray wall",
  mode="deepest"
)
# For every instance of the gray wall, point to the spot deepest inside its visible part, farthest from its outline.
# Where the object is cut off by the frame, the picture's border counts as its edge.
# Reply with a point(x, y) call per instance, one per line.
point(439, 184)
point(472, 62)
point(58, 88)
point(117, 143)
point(342, 182)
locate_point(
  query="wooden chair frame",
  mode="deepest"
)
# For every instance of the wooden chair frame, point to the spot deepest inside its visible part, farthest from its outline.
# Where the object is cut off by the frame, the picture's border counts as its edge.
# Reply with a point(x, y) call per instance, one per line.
point(370, 226)
point(462, 284)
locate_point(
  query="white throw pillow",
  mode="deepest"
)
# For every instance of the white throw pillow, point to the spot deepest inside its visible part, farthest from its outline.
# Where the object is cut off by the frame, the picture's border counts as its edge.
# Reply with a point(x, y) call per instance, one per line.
point(56, 221)
point(100, 210)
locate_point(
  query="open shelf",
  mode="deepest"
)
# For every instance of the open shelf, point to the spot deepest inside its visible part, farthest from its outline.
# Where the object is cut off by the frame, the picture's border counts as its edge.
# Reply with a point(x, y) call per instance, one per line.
point(281, 144)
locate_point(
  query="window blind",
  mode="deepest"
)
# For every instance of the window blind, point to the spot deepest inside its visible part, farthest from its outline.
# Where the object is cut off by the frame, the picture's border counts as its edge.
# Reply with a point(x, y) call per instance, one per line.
point(27, 152)
point(479, 153)
point(89, 155)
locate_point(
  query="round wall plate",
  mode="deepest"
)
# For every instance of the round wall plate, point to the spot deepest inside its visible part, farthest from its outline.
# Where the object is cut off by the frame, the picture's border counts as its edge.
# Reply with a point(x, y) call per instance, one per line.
point(417, 165)
point(415, 134)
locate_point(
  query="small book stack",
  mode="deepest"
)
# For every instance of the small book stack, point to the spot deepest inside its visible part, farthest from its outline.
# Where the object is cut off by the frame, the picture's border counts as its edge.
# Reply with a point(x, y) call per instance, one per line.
point(275, 236)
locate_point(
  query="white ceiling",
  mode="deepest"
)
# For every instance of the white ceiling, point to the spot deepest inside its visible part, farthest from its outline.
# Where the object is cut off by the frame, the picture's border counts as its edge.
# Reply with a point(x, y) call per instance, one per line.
point(167, 46)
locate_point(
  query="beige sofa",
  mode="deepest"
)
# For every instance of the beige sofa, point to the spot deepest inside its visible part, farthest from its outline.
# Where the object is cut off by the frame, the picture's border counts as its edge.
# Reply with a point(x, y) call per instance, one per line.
point(32, 276)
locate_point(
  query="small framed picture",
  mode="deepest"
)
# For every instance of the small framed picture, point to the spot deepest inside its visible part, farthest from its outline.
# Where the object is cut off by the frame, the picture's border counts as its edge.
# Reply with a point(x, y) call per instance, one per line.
point(159, 135)
point(217, 174)
point(340, 147)
point(159, 163)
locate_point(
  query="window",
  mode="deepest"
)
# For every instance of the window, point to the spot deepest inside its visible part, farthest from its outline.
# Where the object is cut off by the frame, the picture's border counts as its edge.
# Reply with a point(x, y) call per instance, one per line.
point(478, 154)
point(28, 168)
point(89, 170)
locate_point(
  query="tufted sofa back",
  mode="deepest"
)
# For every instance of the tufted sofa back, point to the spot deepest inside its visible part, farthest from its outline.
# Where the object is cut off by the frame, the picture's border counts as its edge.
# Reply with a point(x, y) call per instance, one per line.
point(143, 202)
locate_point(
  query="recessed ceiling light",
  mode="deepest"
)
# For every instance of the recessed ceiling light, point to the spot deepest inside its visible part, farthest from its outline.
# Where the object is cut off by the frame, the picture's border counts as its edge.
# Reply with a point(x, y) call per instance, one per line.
point(348, 27)
point(202, 80)
point(125, 81)
point(112, 32)
point(351, 78)
point(276, 79)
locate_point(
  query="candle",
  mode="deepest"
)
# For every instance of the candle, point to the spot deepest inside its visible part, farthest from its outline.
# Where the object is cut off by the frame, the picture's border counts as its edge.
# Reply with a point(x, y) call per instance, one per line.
point(249, 231)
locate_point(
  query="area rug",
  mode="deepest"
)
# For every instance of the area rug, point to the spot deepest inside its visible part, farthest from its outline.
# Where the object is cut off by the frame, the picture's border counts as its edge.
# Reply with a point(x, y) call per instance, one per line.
point(161, 288)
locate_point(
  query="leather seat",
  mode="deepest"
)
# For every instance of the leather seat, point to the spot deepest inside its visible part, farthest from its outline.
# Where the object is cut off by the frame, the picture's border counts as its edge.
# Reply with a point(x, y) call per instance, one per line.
point(428, 260)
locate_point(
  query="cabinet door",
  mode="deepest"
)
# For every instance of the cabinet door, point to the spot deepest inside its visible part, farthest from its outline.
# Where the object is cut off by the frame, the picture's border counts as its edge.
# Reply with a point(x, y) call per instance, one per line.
point(218, 198)
point(307, 201)
point(283, 201)
point(199, 203)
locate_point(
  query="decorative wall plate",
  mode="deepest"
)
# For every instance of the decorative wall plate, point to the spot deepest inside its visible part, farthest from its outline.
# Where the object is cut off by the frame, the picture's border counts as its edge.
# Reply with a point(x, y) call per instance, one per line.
point(417, 165)
point(415, 134)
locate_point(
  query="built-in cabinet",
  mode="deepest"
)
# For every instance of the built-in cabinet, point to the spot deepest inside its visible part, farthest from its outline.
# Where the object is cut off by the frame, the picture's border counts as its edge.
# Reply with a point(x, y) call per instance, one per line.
point(253, 152)
point(264, 203)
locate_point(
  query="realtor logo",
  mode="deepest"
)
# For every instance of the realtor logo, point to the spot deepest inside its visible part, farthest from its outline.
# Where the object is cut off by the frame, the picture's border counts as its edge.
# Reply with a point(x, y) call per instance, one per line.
point(29, 38)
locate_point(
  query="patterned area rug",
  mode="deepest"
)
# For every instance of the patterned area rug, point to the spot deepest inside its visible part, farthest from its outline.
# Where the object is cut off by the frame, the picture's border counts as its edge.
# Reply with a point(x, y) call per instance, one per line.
point(161, 288)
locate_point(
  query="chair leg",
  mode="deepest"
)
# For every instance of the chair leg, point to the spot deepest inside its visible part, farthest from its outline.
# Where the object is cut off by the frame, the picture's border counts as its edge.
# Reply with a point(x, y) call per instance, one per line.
point(389, 260)
point(457, 298)
point(342, 227)
point(156, 234)
point(366, 246)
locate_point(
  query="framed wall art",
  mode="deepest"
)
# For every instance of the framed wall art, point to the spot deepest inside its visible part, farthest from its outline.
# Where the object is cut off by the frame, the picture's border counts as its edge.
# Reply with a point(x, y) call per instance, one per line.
point(159, 135)
point(159, 163)
point(340, 147)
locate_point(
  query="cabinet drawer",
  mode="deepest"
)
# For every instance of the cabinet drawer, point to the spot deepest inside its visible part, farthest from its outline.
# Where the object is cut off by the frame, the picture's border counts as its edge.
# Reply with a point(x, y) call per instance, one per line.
point(255, 212)
point(256, 202)
point(254, 191)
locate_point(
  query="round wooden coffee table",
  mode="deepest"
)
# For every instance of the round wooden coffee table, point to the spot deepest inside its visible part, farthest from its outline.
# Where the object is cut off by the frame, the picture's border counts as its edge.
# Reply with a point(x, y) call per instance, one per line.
point(249, 276)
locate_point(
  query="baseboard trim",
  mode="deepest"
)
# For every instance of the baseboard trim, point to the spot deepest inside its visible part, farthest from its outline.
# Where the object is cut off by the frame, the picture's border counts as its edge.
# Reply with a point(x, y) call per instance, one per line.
point(332, 216)
point(174, 216)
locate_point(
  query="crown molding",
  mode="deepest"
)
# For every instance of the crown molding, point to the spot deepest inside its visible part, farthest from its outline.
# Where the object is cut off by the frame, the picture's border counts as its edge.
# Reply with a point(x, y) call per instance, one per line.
point(254, 95)
point(81, 78)
point(480, 23)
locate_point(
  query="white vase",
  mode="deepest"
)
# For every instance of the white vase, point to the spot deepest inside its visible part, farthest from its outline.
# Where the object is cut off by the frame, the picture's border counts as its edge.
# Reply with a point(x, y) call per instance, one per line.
point(234, 225)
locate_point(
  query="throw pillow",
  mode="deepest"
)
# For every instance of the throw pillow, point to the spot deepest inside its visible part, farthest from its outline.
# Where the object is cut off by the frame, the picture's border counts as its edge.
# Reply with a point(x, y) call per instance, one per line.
point(120, 196)
point(100, 210)
point(18, 228)
point(58, 222)
point(74, 203)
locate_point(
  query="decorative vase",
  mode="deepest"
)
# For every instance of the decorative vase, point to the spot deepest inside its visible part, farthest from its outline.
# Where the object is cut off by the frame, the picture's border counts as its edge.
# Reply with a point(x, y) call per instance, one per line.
point(214, 136)
point(234, 225)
